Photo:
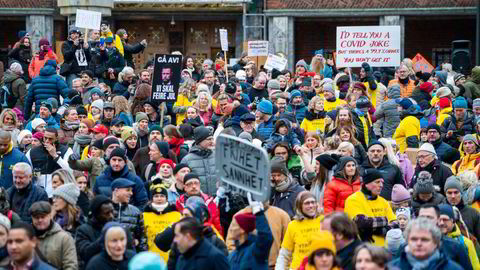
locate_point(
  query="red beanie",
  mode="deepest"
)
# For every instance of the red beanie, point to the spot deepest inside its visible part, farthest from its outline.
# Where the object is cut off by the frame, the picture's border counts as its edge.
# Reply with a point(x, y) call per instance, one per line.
point(167, 161)
point(426, 87)
point(444, 102)
point(360, 85)
point(246, 222)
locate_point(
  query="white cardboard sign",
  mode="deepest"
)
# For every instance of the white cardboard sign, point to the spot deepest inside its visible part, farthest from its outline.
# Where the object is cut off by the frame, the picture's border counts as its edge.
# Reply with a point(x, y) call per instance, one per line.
point(258, 48)
point(224, 39)
point(88, 19)
point(378, 46)
point(275, 61)
point(243, 166)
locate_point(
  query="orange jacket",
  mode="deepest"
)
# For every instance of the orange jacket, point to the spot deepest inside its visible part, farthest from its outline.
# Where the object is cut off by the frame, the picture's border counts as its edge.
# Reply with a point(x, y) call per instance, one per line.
point(405, 90)
point(37, 64)
point(337, 192)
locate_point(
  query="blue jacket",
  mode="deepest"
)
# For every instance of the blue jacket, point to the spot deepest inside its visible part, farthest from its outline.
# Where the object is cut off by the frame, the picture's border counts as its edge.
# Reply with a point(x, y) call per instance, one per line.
point(127, 118)
point(35, 194)
point(253, 253)
point(51, 123)
point(445, 152)
point(46, 85)
point(298, 111)
point(9, 159)
point(203, 256)
point(291, 138)
point(265, 129)
point(443, 263)
point(104, 181)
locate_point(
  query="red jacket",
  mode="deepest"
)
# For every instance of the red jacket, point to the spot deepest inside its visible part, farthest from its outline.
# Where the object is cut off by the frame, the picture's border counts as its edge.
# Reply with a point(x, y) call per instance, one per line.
point(336, 192)
point(212, 208)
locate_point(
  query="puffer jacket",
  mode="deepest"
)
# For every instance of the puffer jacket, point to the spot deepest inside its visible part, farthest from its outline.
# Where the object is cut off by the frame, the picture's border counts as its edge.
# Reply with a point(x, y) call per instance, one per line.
point(110, 59)
point(443, 114)
point(363, 126)
point(202, 162)
point(468, 162)
point(265, 129)
point(104, 181)
point(7, 160)
point(46, 85)
point(35, 194)
point(472, 86)
point(439, 173)
point(445, 152)
point(286, 200)
point(58, 248)
point(314, 122)
point(422, 98)
point(36, 64)
point(388, 115)
point(129, 216)
point(337, 192)
point(407, 133)
point(298, 110)
point(468, 244)
point(18, 87)
point(468, 127)
point(291, 138)
point(212, 209)
point(406, 167)
point(51, 123)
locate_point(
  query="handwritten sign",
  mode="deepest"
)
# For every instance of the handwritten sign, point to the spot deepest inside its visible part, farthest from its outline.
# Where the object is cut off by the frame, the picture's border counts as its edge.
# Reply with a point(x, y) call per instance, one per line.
point(258, 48)
point(88, 19)
point(166, 77)
point(275, 61)
point(224, 39)
point(421, 64)
point(244, 166)
point(378, 46)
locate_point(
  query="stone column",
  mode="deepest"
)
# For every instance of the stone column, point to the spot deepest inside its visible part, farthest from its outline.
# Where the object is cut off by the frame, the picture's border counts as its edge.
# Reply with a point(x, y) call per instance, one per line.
point(396, 20)
point(281, 37)
point(40, 26)
point(69, 8)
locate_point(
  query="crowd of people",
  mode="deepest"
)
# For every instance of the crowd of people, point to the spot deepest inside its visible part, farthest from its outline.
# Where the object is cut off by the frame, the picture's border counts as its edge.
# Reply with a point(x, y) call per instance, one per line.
point(375, 170)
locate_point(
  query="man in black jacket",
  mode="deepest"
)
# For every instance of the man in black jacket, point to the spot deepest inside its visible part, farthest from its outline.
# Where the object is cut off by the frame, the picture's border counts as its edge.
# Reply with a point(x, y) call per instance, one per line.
point(76, 54)
point(391, 173)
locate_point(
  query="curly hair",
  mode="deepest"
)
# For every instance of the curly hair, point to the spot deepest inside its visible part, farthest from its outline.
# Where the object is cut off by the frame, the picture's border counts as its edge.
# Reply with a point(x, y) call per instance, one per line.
point(121, 104)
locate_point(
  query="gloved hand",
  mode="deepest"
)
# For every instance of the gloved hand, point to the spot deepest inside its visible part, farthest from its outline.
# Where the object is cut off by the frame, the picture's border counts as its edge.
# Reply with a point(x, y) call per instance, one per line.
point(256, 206)
point(75, 156)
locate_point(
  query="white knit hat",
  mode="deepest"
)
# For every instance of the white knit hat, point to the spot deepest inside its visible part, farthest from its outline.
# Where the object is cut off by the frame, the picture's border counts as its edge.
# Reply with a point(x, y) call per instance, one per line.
point(22, 135)
point(241, 75)
point(68, 192)
point(37, 122)
point(5, 222)
point(443, 92)
point(16, 68)
point(428, 147)
point(98, 103)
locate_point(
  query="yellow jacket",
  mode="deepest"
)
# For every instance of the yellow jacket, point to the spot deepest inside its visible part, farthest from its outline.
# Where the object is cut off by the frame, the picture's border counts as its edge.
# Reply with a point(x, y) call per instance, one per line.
point(372, 94)
point(409, 126)
point(182, 101)
point(329, 106)
point(154, 224)
point(118, 41)
point(313, 125)
point(468, 162)
point(357, 204)
point(297, 240)
point(443, 114)
point(472, 253)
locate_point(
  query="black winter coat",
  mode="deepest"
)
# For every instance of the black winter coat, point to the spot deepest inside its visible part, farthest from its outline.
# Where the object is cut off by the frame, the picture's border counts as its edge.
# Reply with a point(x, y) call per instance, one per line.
point(468, 127)
point(69, 51)
point(443, 263)
point(34, 194)
point(286, 200)
point(445, 152)
point(391, 175)
point(439, 173)
point(203, 256)
point(104, 262)
point(423, 99)
point(129, 51)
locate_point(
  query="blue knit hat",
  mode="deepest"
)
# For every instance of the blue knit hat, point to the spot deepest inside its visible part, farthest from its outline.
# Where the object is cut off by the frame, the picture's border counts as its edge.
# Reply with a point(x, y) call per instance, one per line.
point(404, 102)
point(295, 93)
point(460, 103)
point(303, 64)
point(52, 63)
point(446, 209)
point(265, 107)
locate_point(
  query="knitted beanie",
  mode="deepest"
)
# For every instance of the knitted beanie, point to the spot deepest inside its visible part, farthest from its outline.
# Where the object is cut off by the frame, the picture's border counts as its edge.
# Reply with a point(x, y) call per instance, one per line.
point(428, 147)
point(394, 91)
point(443, 92)
point(328, 87)
point(119, 152)
point(403, 211)
point(460, 103)
point(158, 189)
point(140, 116)
point(5, 222)
point(444, 102)
point(22, 135)
point(16, 68)
point(452, 183)
point(98, 104)
point(68, 192)
point(200, 134)
point(394, 240)
point(128, 132)
point(246, 221)
point(400, 194)
point(424, 183)
point(278, 164)
point(109, 141)
point(322, 240)
point(273, 84)
point(446, 209)
point(476, 103)
point(426, 87)
point(167, 161)
point(265, 106)
point(179, 167)
point(371, 175)
point(37, 122)
point(190, 176)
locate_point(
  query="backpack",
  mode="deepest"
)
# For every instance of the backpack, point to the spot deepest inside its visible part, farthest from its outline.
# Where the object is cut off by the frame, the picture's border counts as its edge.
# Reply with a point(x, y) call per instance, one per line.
point(7, 98)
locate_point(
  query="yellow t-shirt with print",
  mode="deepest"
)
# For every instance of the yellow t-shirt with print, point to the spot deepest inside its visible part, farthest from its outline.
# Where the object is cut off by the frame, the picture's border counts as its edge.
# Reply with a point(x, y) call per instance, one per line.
point(155, 224)
point(357, 204)
point(329, 106)
point(297, 239)
point(313, 125)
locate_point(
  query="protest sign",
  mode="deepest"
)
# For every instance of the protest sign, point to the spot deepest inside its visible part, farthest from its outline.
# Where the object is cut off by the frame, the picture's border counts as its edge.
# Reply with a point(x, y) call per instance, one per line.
point(258, 48)
point(243, 166)
point(166, 77)
point(88, 19)
point(224, 39)
point(378, 46)
point(421, 64)
point(275, 61)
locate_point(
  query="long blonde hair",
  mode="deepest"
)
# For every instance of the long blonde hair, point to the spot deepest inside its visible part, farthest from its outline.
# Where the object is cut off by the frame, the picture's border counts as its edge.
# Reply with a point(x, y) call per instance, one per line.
point(12, 114)
point(121, 104)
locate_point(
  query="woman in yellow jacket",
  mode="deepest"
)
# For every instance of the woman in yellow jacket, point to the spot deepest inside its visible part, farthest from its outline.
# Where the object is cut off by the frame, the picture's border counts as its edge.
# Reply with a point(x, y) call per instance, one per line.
point(297, 241)
point(471, 156)
point(371, 213)
point(314, 120)
point(322, 253)
point(184, 100)
point(407, 134)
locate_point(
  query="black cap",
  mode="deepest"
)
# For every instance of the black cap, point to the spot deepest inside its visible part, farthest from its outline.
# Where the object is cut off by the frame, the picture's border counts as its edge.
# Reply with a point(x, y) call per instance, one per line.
point(247, 117)
point(179, 167)
point(371, 175)
point(122, 183)
point(117, 121)
point(40, 208)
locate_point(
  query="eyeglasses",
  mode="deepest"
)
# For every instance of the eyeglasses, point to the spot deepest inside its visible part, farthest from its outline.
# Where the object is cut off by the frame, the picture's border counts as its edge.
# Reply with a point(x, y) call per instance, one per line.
point(423, 156)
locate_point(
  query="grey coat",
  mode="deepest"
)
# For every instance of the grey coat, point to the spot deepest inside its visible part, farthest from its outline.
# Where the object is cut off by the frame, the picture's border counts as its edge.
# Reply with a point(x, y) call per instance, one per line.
point(202, 162)
point(388, 115)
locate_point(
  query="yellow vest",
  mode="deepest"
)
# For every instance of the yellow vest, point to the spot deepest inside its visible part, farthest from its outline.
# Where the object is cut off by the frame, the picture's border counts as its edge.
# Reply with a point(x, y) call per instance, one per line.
point(155, 224)
point(372, 94)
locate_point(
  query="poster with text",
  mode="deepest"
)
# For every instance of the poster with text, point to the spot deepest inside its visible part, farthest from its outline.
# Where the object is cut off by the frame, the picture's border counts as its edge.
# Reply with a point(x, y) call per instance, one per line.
point(166, 77)
point(378, 46)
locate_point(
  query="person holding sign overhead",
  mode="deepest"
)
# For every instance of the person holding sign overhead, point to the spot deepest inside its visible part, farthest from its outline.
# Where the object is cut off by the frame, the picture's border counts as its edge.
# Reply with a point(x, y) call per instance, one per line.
point(76, 54)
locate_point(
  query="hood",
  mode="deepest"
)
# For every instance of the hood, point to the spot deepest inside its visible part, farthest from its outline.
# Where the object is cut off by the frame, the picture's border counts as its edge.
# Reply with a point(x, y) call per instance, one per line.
point(442, 76)
point(55, 229)
point(9, 76)
point(341, 165)
point(48, 71)
point(285, 123)
point(312, 116)
point(476, 75)
point(108, 226)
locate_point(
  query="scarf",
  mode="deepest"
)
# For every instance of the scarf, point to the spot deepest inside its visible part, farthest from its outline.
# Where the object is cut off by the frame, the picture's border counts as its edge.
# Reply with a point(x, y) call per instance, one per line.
point(80, 142)
point(159, 207)
point(42, 232)
point(141, 132)
point(41, 54)
point(283, 186)
point(403, 81)
point(71, 125)
point(175, 144)
point(420, 265)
